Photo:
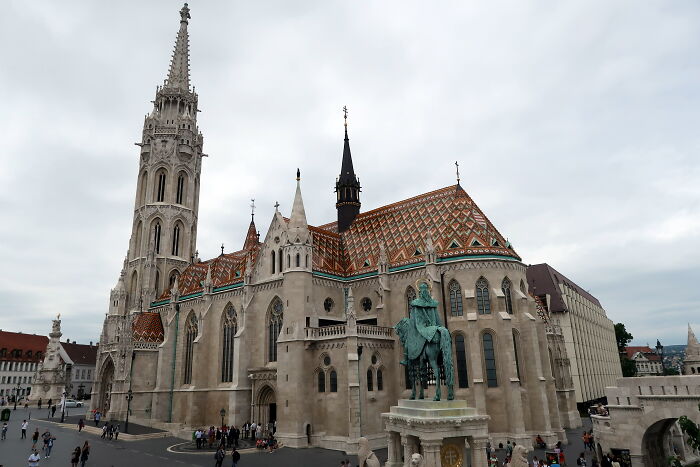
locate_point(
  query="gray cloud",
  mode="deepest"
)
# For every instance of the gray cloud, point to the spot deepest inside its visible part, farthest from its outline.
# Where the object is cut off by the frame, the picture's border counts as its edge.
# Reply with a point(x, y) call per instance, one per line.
point(574, 125)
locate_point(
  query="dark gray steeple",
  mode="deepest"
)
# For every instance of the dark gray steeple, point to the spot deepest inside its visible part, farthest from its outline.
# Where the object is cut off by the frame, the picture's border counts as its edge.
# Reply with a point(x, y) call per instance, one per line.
point(347, 186)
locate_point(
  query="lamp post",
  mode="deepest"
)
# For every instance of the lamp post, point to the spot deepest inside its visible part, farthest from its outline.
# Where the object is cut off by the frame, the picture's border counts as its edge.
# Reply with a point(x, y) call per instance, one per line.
point(129, 396)
point(63, 405)
point(17, 391)
point(222, 412)
point(660, 353)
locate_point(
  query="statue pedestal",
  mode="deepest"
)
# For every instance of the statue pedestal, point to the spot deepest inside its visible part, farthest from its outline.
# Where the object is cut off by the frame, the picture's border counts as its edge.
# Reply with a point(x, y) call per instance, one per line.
point(445, 433)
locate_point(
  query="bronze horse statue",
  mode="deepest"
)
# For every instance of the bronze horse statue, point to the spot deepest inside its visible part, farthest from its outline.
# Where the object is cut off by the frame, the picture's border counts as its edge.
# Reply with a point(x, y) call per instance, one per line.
point(424, 340)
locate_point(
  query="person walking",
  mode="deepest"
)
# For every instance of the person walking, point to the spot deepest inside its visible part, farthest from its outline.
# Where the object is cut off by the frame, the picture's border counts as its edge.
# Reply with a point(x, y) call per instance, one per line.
point(104, 431)
point(236, 457)
point(35, 438)
point(25, 425)
point(116, 431)
point(110, 431)
point(3, 436)
point(81, 425)
point(34, 459)
point(84, 453)
point(49, 446)
point(53, 410)
point(75, 457)
point(98, 415)
point(220, 456)
point(581, 460)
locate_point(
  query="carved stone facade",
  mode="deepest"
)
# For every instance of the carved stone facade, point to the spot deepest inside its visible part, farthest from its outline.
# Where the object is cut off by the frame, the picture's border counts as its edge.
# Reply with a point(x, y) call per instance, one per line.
point(296, 329)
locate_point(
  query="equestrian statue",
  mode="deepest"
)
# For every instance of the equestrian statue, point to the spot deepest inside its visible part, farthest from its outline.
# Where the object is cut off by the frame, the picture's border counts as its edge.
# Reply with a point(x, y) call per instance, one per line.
point(424, 339)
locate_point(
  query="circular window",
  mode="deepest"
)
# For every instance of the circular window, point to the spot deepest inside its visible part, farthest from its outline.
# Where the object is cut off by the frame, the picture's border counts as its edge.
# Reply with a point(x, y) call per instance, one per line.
point(328, 304)
point(366, 304)
point(327, 360)
point(374, 359)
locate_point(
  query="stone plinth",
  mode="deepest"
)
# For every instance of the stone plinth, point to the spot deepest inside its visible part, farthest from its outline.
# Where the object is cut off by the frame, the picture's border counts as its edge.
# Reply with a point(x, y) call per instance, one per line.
point(443, 432)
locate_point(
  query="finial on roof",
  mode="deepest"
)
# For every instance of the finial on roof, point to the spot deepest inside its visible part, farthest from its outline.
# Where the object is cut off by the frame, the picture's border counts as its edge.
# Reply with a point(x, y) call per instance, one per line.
point(298, 174)
point(222, 249)
point(252, 208)
point(457, 165)
point(185, 13)
point(345, 115)
point(277, 206)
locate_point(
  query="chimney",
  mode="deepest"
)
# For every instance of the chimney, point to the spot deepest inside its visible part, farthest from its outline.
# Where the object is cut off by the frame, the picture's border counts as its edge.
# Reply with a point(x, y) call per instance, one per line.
point(90, 343)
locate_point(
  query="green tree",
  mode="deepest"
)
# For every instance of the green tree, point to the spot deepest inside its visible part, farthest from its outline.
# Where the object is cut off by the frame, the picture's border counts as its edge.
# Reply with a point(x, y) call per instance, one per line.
point(671, 371)
point(629, 369)
point(691, 429)
point(622, 336)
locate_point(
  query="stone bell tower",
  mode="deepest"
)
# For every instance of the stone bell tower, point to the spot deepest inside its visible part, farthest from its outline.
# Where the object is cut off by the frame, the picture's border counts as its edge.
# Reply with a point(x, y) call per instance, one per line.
point(164, 230)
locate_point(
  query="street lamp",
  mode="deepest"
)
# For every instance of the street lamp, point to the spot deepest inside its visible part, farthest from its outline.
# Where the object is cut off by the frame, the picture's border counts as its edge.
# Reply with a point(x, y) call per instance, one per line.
point(63, 405)
point(129, 396)
point(17, 391)
point(222, 412)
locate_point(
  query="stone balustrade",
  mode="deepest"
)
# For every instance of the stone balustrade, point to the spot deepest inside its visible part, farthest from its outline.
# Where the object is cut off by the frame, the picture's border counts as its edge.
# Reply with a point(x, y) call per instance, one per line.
point(339, 331)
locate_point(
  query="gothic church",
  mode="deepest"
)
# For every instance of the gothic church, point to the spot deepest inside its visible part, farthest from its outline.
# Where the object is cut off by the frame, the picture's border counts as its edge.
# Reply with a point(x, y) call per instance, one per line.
point(296, 328)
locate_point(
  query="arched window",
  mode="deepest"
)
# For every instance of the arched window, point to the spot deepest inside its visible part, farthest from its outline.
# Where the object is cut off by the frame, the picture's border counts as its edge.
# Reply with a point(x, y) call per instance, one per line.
point(289, 261)
point(144, 186)
point(230, 328)
point(505, 288)
point(171, 281)
point(133, 294)
point(307, 261)
point(156, 237)
point(334, 381)
point(370, 384)
point(279, 256)
point(461, 356)
point(455, 299)
point(180, 193)
point(157, 284)
point(516, 353)
point(274, 327)
point(410, 296)
point(176, 241)
point(380, 380)
point(490, 360)
point(298, 261)
point(523, 289)
point(273, 261)
point(483, 303)
point(160, 188)
point(321, 381)
point(137, 240)
point(190, 335)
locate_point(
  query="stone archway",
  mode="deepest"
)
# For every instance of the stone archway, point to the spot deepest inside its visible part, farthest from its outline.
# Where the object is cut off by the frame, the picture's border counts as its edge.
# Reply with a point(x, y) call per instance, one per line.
point(106, 382)
point(266, 407)
point(655, 442)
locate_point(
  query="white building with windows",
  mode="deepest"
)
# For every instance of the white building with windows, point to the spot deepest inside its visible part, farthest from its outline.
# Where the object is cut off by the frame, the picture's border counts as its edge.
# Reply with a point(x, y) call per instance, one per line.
point(646, 361)
point(20, 355)
point(589, 335)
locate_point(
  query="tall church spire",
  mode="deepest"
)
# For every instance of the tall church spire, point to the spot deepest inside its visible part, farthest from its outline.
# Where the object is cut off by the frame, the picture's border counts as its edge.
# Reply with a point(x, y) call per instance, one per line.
point(347, 186)
point(298, 216)
point(179, 74)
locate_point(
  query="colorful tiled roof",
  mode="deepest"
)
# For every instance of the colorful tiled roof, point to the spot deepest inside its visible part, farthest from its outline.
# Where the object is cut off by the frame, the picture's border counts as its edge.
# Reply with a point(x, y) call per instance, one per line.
point(28, 346)
point(457, 225)
point(148, 327)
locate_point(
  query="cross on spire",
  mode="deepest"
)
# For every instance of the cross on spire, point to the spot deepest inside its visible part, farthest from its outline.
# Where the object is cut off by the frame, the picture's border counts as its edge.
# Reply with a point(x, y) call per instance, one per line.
point(457, 165)
point(345, 115)
point(252, 208)
point(277, 205)
point(222, 249)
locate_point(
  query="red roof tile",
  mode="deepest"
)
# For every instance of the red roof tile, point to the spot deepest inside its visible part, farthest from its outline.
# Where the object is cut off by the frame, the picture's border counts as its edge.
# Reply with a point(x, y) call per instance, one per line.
point(81, 354)
point(148, 327)
point(10, 341)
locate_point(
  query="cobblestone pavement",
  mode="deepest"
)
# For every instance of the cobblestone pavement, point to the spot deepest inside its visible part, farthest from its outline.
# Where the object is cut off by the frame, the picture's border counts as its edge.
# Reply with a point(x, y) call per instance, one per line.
point(155, 452)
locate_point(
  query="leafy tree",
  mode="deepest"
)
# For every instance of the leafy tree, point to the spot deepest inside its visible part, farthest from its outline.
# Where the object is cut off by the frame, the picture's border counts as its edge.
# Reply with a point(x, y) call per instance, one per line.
point(671, 371)
point(629, 369)
point(622, 336)
point(691, 429)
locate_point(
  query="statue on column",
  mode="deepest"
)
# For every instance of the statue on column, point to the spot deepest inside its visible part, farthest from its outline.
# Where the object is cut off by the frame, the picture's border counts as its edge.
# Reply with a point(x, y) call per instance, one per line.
point(424, 340)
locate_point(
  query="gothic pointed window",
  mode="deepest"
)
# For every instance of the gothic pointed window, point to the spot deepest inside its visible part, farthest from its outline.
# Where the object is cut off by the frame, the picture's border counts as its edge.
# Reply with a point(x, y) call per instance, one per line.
point(461, 357)
point(483, 303)
point(229, 330)
point(333, 379)
point(272, 260)
point(489, 360)
point(180, 193)
point(191, 328)
point(370, 384)
point(321, 376)
point(455, 298)
point(274, 326)
point(516, 348)
point(410, 296)
point(279, 259)
point(143, 187)
point(505, 288)
point(298, 261)
point(380, 380)
point(160, 189)
point(156, 237)
point(176, 241)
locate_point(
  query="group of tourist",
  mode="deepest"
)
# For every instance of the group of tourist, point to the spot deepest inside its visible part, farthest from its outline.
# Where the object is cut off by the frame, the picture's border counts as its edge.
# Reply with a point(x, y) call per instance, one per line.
point(109, 430)
point(226, 436)
point(48, 440)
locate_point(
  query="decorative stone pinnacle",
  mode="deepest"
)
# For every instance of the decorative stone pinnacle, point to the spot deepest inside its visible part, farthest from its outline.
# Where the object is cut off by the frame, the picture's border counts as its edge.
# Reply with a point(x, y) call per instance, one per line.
point(185, 13)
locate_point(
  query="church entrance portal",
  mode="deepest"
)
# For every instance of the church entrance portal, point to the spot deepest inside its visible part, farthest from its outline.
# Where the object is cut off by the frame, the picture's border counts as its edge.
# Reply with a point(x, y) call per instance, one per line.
point(266, 410)
point(106, 387)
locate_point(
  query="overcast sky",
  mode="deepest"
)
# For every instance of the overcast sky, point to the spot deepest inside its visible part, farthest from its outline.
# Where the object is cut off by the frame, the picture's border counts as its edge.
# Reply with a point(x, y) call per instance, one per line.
point(575, 124)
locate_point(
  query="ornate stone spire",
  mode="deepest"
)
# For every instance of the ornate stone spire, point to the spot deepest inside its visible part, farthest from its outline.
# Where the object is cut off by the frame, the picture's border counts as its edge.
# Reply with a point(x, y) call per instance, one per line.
point(347, 186)
point(179, 74)
point(298, 217)
point(693, 347)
